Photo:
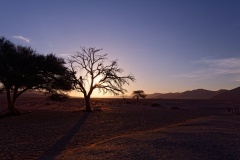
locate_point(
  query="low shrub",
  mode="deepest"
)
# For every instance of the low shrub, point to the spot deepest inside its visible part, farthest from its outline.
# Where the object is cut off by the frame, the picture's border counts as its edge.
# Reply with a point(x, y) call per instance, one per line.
point(58, 97)
point(156, 105)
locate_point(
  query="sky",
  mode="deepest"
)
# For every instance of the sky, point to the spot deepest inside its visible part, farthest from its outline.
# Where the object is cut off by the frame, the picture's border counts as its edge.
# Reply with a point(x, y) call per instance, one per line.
point(168, 45)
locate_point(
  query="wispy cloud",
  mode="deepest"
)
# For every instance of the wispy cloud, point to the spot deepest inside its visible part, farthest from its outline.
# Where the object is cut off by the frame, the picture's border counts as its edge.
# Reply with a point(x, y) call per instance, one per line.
point(212, 68)
point(223, 63)
point(27, 40)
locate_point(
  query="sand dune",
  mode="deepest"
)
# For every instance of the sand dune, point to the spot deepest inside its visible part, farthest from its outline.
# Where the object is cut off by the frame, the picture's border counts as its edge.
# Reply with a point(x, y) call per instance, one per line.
point(233, 94)
point(193, 94)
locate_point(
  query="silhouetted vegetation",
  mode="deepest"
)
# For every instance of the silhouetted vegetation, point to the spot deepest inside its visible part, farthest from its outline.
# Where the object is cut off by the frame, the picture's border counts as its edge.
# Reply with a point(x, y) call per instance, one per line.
point(234, 110)
point(138, 94)
point(22, 69)
point(156, 105)
point(58, 97)
point(1, 89)
point(95, 74)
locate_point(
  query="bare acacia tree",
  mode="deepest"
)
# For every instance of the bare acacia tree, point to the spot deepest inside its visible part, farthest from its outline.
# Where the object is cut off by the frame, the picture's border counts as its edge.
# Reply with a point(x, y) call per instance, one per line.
point(96, 75)
point(138, 94)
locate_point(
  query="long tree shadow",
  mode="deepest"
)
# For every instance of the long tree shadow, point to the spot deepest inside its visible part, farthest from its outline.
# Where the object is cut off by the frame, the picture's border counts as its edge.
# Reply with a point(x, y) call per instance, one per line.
point(59, 146)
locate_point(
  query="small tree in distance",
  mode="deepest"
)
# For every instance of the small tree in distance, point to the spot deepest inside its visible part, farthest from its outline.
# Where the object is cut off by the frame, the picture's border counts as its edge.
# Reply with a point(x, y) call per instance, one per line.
point(95, 74)
point(139, 94)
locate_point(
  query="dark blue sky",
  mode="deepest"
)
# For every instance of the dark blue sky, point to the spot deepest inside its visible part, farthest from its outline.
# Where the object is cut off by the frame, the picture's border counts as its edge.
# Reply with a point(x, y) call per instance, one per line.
point(169, 45)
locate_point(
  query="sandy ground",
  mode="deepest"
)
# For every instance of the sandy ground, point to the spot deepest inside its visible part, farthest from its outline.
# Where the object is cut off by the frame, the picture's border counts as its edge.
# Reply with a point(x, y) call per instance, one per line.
point(120, 129)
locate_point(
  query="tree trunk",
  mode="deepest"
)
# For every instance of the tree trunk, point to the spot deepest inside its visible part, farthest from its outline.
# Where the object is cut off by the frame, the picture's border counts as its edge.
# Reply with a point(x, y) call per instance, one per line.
point(9, 100)
point(11, 104)
point(87, 103)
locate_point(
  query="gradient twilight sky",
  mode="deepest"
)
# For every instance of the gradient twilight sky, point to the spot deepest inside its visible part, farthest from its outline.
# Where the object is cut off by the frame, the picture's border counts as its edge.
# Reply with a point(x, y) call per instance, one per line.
point(169, 45)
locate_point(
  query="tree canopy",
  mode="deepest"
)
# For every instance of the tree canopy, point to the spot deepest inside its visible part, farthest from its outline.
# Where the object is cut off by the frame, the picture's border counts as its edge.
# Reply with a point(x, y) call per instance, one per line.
point(139, 94)
point(92, 66)
point(22, 68)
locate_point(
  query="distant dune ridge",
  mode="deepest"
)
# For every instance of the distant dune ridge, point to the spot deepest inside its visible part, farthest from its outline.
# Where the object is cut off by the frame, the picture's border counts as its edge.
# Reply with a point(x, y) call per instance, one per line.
point(221, 94)
point(233, 94)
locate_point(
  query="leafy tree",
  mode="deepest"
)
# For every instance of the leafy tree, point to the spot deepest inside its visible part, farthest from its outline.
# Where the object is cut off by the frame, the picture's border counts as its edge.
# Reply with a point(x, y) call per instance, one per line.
point(22, 69)
point(138, 94)
point(96, 74)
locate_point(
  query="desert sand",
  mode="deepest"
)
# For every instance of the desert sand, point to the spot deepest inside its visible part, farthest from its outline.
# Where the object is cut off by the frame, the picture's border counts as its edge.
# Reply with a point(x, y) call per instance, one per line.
point(120, 129)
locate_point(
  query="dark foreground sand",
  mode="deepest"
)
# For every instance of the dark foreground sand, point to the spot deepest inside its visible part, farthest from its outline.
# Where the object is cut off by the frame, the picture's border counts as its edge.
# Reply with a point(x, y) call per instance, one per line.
point(122, 130)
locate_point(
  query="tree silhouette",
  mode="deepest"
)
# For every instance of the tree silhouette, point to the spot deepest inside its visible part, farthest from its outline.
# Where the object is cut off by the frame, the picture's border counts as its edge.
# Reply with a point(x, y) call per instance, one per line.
point(96, 75)
point(1, 88)
point(138, 94)
point(22, 69)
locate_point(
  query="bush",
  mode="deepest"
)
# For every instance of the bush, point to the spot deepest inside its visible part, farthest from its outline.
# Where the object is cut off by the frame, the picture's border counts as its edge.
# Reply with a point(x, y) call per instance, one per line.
point(156, 105)
point(58, 97)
